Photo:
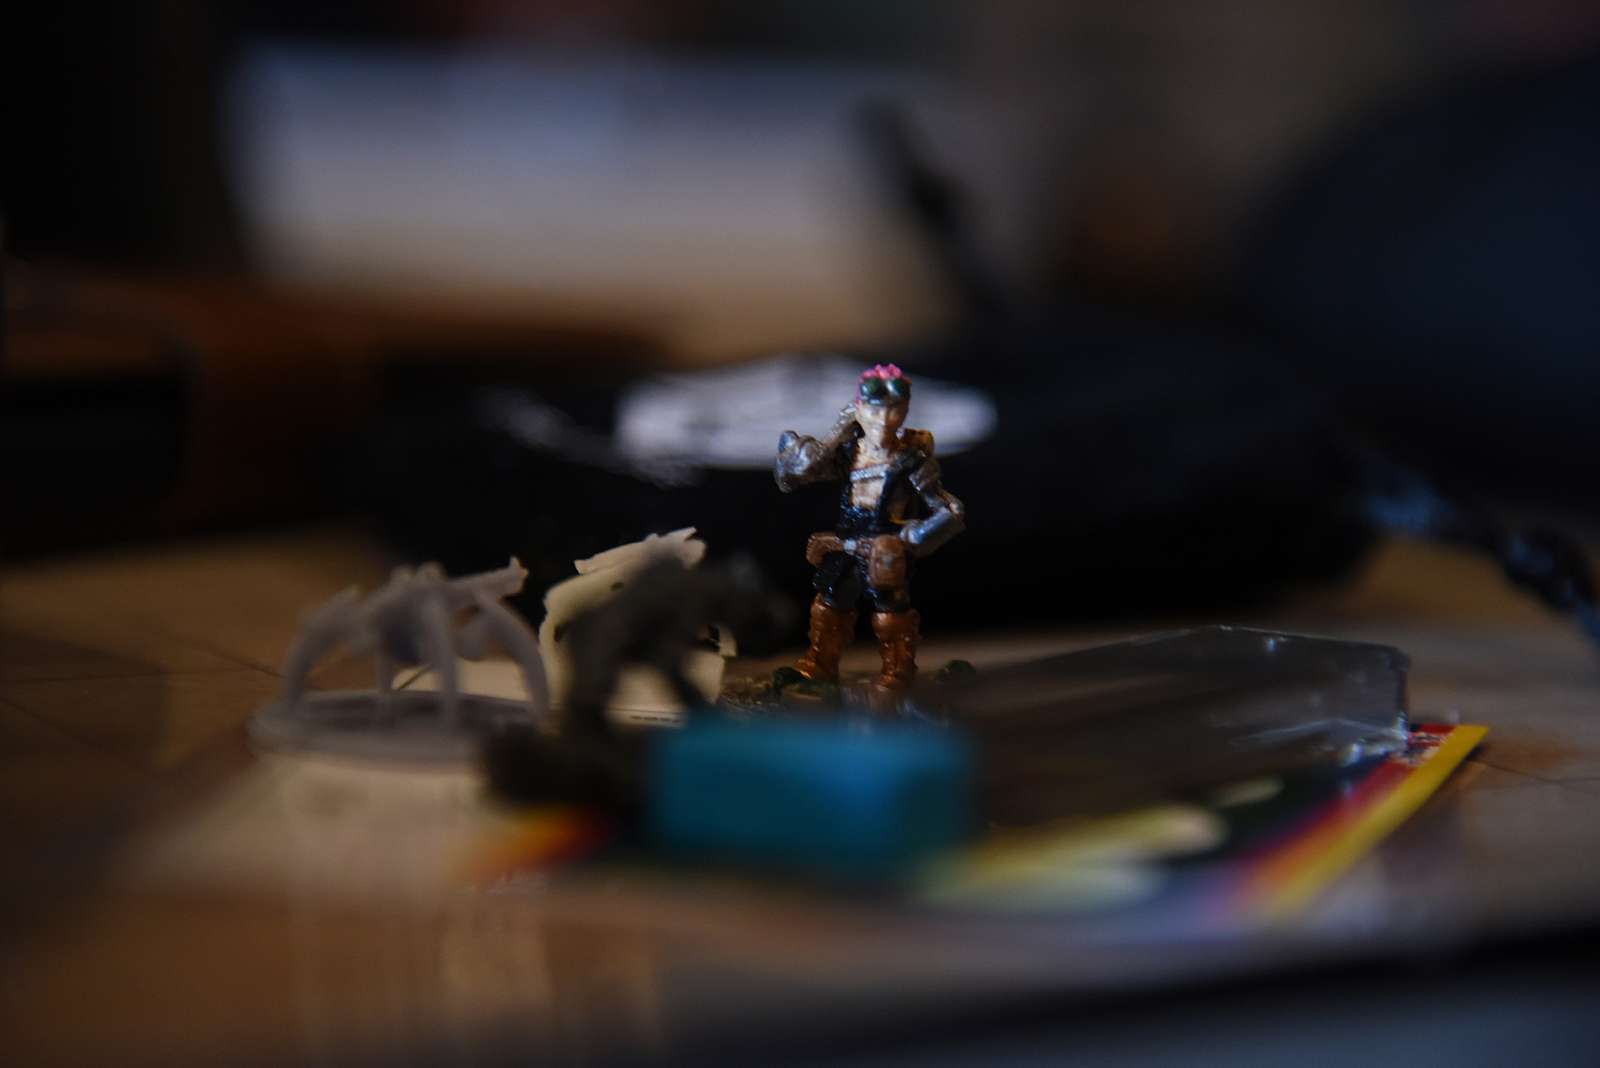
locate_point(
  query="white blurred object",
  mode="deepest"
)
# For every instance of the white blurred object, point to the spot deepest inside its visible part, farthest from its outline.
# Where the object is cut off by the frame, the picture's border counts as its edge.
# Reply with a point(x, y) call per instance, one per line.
point(732, 417)
point(682, 544)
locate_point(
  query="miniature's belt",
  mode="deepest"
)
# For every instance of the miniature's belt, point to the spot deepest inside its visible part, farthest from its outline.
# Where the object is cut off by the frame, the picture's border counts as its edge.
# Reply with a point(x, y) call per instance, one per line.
point(861, 474)
point(858, 546)
point(883, 555)
point(823, 543)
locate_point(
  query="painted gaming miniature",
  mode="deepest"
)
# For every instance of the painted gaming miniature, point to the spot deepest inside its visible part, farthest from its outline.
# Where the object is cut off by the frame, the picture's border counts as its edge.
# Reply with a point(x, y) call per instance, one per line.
point(893, 509)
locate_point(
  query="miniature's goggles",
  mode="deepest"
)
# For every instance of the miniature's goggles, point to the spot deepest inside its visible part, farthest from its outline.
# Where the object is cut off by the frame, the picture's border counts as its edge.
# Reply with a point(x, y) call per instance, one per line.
point(884, 385)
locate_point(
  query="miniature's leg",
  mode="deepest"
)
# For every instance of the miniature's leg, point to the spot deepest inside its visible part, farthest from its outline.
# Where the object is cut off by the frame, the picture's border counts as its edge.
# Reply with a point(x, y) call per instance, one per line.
point(594, 673)
point(335, 622)
point(294, 687)
point(897, 626)
point(449, 691)
point(831, 630)
point(519, 641)
point(687, 693)
point(440, 654)
point(383, 667)
point(833, 618)
point(897, 642)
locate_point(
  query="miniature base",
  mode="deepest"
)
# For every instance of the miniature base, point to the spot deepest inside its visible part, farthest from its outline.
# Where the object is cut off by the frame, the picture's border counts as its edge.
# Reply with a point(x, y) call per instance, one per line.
point(786, 690)
point(350, 724)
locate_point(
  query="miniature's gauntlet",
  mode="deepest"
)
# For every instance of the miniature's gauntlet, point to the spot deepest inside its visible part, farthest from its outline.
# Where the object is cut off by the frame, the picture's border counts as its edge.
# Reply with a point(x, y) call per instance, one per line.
point(799, 461)
point(802, 459)
point(944, 523)
point(946, 517)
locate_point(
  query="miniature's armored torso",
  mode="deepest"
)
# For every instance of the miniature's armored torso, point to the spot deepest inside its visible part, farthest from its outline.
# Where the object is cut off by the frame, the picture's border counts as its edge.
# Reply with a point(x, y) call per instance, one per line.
point(889, 488)
point(868, 470)
point(878, 496)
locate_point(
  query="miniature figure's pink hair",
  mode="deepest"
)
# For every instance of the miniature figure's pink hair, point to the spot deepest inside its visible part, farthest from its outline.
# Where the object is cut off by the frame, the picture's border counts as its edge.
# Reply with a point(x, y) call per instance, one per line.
point(882, 370)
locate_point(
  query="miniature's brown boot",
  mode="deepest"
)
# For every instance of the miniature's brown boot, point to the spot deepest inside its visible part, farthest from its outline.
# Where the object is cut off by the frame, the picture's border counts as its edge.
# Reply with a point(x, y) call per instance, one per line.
point(831, 630)
point(897, 640)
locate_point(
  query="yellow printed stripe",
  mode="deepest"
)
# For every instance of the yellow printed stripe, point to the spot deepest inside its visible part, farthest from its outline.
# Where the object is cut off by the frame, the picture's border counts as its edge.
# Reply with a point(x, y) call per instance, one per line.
point(1352, 842)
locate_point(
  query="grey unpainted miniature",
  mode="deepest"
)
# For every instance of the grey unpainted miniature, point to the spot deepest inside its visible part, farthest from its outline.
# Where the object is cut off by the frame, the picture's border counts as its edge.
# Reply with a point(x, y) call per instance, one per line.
point(411, 622)
point(420, 618)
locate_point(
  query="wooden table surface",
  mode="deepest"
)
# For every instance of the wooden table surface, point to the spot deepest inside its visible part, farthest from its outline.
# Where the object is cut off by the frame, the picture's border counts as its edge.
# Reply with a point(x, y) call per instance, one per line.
point(126, 678)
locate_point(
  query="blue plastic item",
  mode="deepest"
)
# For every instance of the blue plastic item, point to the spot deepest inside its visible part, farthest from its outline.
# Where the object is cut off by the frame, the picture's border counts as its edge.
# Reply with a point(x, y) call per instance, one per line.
point(826, 798)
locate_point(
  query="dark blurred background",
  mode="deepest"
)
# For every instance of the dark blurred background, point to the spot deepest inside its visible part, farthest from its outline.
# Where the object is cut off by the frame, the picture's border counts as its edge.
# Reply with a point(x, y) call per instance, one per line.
point(1199, 264)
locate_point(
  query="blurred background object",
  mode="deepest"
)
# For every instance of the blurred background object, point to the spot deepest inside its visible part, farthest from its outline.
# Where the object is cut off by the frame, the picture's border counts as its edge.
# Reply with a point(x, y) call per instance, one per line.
point(409, 261)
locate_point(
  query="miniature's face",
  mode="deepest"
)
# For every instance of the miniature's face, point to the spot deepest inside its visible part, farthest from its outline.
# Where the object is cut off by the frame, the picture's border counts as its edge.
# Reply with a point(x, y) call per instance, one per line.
point(880, 418)
point(882, 399)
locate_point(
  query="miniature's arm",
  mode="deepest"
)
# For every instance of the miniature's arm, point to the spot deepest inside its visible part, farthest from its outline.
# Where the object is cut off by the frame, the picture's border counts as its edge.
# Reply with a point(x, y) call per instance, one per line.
point(803, 459)
point(946, 517)
point(496, 620)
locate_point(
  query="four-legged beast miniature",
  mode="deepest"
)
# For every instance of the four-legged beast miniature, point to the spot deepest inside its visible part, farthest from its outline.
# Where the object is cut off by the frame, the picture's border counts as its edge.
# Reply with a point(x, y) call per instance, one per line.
point(893, 508)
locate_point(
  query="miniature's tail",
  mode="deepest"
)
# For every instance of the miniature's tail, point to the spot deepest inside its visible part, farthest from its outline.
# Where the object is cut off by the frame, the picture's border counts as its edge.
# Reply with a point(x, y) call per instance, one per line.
point(505, 582)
